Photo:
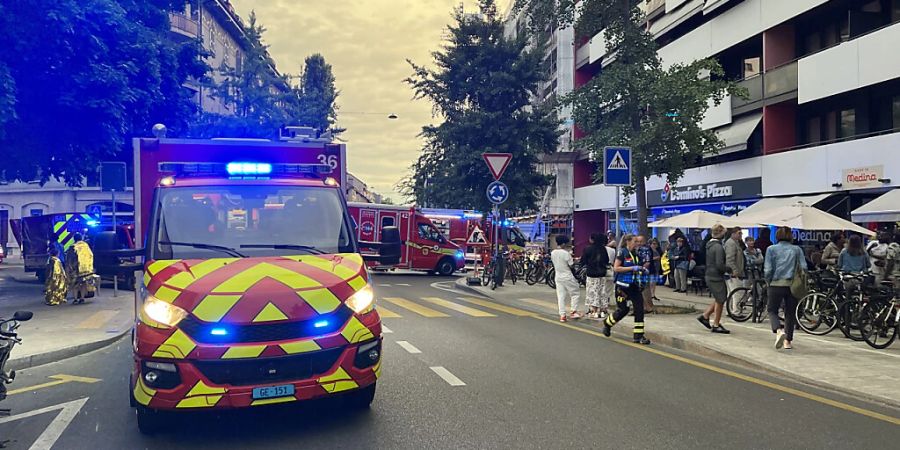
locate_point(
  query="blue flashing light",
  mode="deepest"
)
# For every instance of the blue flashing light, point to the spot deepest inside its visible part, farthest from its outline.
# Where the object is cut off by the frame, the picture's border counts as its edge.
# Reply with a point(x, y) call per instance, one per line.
point(92, 223)
point(469, 215)
point(460, 254)
point(321, 324)
point(218, 332)
point(248, 168)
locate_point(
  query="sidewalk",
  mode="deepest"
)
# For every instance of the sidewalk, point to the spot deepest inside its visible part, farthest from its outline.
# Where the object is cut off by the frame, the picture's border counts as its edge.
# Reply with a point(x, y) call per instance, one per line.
point(831, 361)
point(64, 331)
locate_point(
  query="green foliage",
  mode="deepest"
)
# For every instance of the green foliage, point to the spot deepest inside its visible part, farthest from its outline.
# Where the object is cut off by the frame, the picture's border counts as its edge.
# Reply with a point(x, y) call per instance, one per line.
point(635, 101)
point(317, 95)
point(78, 78)
point(481, 88)
point(260, 100)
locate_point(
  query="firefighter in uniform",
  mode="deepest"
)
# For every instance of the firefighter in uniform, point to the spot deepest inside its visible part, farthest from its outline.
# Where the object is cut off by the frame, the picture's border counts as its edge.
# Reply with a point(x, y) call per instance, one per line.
point(57, 283)
point(80, 270)
point(631, 279)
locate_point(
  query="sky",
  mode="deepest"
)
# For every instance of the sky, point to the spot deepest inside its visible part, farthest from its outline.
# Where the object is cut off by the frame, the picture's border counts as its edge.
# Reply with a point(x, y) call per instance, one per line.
point(367, 42)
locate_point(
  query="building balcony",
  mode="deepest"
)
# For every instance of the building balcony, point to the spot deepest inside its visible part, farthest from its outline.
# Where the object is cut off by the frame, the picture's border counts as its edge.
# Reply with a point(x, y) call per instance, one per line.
point(182, 25)
point(773, 86)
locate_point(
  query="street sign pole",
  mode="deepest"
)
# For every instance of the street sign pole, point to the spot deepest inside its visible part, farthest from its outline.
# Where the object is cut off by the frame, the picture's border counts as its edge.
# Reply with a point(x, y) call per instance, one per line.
point(618, 217)
point(617, 172)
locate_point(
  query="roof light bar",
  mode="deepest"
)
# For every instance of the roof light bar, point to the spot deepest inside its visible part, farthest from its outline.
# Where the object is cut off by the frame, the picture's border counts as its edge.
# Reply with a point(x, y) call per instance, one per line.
point(248, 168)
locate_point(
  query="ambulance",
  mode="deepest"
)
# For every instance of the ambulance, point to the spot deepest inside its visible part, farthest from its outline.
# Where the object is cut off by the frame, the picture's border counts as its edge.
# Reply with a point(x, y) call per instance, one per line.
point(253, 291)
point(424, 247)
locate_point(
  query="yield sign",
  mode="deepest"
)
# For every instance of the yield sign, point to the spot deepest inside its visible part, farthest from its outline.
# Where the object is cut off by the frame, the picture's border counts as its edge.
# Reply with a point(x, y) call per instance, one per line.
point(497, 162)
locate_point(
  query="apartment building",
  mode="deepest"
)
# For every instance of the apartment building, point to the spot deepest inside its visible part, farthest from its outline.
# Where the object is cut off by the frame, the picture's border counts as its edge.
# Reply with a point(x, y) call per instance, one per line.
point(821, 122)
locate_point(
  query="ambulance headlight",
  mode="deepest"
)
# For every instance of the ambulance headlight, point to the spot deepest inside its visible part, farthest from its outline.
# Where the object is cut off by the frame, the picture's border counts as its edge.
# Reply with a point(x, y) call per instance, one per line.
point(162, 312)
point(363, 300)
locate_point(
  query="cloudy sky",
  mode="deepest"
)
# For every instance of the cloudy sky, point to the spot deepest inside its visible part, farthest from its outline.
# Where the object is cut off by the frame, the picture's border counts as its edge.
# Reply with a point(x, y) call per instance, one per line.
point(367, 42)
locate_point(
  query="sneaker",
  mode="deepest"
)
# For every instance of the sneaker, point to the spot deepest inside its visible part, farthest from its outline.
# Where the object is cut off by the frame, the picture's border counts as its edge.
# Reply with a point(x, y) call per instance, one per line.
point(705, 322)
point(575, 315)
point(779, 339)
point(642, 340)
point(606, 330)
point(720, 329)
point(562, 318)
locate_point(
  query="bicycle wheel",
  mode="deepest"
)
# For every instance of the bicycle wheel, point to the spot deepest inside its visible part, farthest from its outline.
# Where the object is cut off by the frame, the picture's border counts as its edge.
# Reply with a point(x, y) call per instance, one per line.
point(739, 305)
point(550, 278)
point(817, 314)
point(487, 274)
point(848, 314)
point(535, 274)
point(876, 324)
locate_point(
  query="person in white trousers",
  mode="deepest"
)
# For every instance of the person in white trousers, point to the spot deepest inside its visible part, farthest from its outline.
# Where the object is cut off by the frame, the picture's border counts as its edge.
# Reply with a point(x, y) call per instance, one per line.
point(566, 284)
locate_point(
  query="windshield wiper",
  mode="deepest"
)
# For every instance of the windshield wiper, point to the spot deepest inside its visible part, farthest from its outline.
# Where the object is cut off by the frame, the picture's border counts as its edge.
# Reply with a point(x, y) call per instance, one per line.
point(306, 248)
point(220, 248)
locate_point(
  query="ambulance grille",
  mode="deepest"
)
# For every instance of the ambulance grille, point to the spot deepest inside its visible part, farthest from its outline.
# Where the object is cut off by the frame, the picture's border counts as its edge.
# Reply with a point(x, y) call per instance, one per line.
point(266, 370)
point(201, 332)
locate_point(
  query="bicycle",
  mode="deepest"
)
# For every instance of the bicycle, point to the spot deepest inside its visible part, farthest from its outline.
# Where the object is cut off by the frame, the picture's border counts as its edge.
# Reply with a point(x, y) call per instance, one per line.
point(746, 303)
point(854, 301)
point(821, 306)
point(879, 320)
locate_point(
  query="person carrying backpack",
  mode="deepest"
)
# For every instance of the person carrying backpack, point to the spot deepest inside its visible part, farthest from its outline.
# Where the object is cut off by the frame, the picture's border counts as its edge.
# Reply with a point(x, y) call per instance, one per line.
point(596, 260)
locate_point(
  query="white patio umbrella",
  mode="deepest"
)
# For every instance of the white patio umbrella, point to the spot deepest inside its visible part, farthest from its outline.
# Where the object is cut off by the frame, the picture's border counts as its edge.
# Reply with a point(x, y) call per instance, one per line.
point(702, 219)
point(804, 217)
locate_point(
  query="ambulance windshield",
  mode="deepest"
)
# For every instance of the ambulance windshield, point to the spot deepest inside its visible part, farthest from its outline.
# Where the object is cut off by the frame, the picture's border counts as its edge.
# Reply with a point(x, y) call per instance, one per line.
point(237, 221)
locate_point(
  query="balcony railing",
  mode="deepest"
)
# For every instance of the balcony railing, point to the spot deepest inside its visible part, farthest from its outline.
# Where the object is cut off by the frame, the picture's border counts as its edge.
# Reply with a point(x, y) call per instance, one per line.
point(781, 80)
point(184, 25)
point(769, 87)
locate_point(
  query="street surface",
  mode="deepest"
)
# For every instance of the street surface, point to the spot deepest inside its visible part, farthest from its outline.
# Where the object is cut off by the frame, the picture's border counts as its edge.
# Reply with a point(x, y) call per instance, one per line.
point(464, 372)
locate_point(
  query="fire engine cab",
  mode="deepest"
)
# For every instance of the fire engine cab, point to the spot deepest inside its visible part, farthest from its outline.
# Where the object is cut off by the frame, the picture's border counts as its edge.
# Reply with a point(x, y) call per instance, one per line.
point(254, 291)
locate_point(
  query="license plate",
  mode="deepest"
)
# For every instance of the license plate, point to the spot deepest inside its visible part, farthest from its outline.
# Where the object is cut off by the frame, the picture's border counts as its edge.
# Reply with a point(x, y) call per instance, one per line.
point(273, 391)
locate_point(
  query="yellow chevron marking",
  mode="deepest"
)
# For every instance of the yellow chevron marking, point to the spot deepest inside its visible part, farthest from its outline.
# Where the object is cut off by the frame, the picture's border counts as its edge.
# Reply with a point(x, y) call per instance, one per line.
point(63, 236)
point(355, 331)
point(386, 313)
point(57, 226)
point(184, 279)
point(269, 313)
point(321, 300)
point(157, 266)
point(415, 307)
point(337, 382)
point(244, 351)
point(457, 307)
point(327, 265)
point(357, 283)
point(292, 348)
point(497, 307)
point(270, 401)
point(377, 369)
point(200, 401)
point(214, 307)
point(166, 294)
point(244, 280)
point(202, 388)
point(143, 394)
point(177, 346)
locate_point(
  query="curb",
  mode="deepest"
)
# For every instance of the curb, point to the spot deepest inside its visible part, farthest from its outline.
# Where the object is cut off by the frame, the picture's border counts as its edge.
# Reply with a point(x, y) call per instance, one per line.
point(463, 286)
point(63, 353)
point(711, 353)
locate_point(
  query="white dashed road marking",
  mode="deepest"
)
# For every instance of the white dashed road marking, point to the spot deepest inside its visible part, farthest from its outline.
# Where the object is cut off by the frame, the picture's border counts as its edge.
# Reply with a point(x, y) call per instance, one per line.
point(386, 330)
point(408, 347)
point(451, 379)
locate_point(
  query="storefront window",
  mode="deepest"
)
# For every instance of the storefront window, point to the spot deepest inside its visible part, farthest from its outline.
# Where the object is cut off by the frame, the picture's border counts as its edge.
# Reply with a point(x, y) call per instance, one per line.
point(848, 123)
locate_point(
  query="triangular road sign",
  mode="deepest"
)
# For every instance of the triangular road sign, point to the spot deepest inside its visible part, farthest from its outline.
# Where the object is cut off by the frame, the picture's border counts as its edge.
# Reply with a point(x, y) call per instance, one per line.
point(618, 163)
point(497, 163)
point(476, 237)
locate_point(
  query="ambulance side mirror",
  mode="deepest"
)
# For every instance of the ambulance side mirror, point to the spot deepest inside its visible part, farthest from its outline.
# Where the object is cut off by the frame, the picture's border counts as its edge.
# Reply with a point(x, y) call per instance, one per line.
point(389, 251)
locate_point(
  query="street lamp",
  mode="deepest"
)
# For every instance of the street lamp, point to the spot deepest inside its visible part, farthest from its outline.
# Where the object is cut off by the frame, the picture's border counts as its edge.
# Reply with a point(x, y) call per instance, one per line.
point(390, 116)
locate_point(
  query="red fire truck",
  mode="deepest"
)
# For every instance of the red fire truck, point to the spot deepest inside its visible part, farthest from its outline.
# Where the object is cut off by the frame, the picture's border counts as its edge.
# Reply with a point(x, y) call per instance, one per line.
point(424, 246)
point(254, 288)
point(474, 232)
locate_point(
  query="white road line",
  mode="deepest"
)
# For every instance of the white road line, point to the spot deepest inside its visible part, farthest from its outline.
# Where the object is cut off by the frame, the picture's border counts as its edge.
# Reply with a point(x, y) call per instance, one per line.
point(386, 330)
point(403, 284)
point(408, 347)
point(451, 379)
point(384, 285)
point(51, 434)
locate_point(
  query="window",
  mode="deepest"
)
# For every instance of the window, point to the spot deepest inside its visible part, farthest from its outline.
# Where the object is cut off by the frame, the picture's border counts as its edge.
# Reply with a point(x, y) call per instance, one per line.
point(36, 212)
point(387, 221)
point(896, 113)
point(848, 123)
point(429, 232)
point(813, 130)
point(751, 67)
point(895, 11)
point(831, 123)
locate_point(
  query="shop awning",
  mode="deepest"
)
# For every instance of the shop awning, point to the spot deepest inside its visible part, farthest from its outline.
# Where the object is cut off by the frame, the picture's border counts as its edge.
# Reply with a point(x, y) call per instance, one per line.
point(736, 135)
point(883, 209)
point(777, 202)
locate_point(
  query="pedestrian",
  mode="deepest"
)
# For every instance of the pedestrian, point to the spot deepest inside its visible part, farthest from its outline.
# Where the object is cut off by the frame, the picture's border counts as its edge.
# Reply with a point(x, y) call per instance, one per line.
point(80, 269)
point(715, 280)
point(734, 260)
point(678, 254)
point(853, 259)
point(782, 262)
point(646, 256)
point(56, 285)
point(764, 241)
point(753, 260)
point(893, 261)
point(566, 285)
point(596, 261)
point(833, 250)
point(877, 252)
point(655, 273)
point(631, 278)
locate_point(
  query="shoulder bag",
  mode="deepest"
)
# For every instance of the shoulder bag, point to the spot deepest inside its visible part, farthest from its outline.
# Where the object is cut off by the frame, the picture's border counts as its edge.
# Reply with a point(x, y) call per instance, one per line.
point(799, 286)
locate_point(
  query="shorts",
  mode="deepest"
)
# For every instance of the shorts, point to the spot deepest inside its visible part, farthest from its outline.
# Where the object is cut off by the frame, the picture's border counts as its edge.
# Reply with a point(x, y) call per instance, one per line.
point(718, 290)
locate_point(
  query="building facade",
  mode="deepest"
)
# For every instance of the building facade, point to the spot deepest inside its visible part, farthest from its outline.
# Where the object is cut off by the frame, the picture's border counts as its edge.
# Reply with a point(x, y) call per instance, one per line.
point(822, 118)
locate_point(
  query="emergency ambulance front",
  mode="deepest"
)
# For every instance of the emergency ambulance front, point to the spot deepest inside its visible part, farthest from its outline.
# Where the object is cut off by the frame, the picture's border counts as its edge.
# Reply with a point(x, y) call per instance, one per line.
point(254, 293)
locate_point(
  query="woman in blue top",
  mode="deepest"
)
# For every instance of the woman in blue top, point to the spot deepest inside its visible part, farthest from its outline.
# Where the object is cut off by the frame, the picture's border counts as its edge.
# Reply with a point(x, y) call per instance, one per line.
point(782, 260)
point(853, 259)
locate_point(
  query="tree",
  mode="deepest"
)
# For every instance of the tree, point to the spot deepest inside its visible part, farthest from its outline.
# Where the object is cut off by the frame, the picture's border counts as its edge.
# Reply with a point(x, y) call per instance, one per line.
point(81, 77)
point(481, 88)
point(260, 99)
point(636, 101)
point(317, 95)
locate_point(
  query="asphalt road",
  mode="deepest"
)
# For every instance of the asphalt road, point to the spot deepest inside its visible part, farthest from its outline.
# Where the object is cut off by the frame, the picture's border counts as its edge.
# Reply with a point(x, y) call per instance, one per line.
point(527, 383)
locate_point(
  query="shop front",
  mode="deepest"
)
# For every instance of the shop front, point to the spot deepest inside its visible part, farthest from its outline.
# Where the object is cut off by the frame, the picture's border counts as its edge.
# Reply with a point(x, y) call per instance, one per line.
point(726, 197)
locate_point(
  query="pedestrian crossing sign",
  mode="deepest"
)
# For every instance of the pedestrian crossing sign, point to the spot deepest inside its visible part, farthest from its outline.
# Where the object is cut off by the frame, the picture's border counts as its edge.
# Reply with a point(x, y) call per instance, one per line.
point(617, 166)
point(476, 237)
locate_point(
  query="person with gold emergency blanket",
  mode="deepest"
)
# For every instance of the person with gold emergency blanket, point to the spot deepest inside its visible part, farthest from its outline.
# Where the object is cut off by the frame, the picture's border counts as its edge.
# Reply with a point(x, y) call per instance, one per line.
point(80, 270)
point(57, 284)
